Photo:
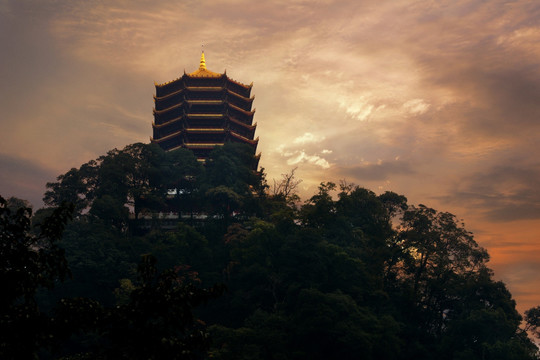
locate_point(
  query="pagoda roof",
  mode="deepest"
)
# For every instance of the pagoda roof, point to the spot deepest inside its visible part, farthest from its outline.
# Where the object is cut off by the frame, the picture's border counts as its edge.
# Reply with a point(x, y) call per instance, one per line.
point(203, 72)
point(239, 83)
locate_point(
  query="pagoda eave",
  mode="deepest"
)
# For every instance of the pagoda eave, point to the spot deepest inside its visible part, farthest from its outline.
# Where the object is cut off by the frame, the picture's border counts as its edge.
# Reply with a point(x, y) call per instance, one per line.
point(167, 109)
point(173, 121)
point(247, 87)
point(249, 113)
point(247, 99)
point(245, 139)
point(170, 136)
point(164, 97)
point(244, 125)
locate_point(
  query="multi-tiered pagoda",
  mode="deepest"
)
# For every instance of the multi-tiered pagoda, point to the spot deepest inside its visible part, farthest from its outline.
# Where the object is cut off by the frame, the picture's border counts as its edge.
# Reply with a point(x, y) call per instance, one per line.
point(202, 110)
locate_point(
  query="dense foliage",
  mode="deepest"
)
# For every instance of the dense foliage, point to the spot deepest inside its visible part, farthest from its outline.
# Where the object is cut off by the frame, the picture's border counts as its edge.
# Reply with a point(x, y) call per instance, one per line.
point(348, 274)
point(153, 318)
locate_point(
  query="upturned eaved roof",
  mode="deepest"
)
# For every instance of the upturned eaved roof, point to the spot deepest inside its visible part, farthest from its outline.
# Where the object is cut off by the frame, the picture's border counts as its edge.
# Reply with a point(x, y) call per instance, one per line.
point(203, 72)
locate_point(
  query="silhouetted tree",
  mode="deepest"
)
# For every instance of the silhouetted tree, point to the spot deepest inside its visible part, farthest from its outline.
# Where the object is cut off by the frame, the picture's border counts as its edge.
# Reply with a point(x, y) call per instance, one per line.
point(28, 262)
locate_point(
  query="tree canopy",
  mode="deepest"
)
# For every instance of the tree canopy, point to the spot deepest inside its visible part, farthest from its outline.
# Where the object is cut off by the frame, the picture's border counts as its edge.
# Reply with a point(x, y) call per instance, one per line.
point(346, 274)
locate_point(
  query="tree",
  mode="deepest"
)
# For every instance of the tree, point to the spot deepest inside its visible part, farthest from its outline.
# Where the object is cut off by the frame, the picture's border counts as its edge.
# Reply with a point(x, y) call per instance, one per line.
point(319, 210)
point(157, 322)
point(137, 177)
point(287, 187)
point(446, 295)
point(14, 204)
point(27, 263)
point(435, 247)
point(349, 273)
point(532, 321)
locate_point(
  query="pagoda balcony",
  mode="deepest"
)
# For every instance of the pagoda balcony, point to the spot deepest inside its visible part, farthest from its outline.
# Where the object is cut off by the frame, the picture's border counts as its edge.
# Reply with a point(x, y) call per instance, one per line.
point(205, 116)
point(205, 130)
point(206, 102)
point(203, 145)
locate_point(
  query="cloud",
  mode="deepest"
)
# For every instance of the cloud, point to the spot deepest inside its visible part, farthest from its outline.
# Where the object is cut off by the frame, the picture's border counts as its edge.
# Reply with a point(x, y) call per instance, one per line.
point(381, 170)
point(503, 192)
point(416, 106)
point(307, 138)
point(359, 109)
point(301, 157)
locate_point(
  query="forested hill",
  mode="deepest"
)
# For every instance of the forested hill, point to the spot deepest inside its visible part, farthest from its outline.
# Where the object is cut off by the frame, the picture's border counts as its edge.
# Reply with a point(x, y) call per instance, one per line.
point(346, 274)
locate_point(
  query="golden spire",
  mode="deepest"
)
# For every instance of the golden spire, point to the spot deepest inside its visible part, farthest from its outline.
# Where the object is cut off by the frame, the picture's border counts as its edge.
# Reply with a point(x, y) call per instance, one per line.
point(203, 71)
point(202, 66)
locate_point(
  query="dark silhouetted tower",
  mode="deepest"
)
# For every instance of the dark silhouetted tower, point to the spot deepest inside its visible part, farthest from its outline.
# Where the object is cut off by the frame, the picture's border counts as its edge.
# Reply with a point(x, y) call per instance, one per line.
point(201, 110)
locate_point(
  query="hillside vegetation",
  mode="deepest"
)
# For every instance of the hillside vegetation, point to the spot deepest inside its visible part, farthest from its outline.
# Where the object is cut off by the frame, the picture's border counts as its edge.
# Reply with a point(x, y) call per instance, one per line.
point(250, 272)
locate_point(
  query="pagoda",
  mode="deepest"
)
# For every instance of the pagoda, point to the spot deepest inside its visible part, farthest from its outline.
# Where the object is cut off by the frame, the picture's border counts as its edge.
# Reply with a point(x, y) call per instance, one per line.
point(202, 110)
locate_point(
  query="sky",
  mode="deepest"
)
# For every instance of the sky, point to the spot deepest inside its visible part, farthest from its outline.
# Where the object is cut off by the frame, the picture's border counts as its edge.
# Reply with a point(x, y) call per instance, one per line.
point(437, 100)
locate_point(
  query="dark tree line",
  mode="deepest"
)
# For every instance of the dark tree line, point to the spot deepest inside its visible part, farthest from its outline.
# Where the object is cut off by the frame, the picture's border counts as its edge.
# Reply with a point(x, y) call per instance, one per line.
point(347, 274)
point(153, 321)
